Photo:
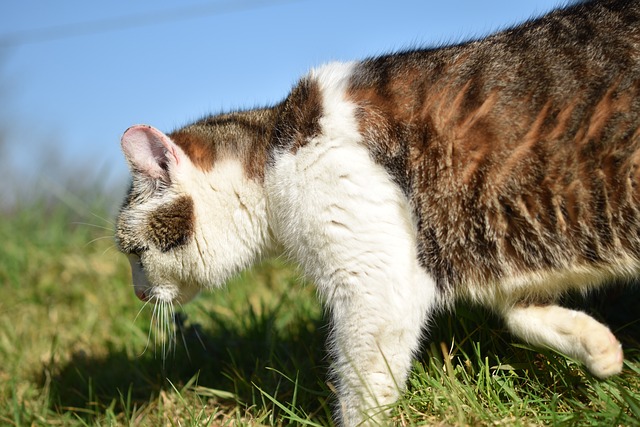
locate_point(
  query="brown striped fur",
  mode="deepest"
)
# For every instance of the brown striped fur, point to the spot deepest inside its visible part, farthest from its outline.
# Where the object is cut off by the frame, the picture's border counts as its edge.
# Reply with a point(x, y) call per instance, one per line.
point(519, 152)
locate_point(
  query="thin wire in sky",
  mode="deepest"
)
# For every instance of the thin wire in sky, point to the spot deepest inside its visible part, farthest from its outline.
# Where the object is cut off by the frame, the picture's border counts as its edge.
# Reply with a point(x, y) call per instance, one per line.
point(80, 29)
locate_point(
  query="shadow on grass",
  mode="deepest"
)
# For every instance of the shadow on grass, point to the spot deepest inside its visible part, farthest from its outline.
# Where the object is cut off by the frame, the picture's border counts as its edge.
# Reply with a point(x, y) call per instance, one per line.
point(472, 362)
point(290, 364)
point(287, 365)
point(617, 306)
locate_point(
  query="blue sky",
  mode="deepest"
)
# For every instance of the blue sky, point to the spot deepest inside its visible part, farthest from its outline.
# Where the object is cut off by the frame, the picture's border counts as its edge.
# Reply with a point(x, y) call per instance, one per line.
point(75, 74)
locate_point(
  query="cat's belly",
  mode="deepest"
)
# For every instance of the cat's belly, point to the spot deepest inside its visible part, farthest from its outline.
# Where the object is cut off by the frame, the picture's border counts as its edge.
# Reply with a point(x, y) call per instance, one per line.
point(543, 286)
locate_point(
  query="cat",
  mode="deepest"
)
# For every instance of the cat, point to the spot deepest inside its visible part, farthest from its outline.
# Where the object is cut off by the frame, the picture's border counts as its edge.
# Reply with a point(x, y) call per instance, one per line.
point(503, 171)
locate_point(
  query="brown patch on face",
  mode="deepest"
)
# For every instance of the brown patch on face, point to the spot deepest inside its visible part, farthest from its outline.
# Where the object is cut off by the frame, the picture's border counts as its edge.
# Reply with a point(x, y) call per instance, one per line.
point(172, 224)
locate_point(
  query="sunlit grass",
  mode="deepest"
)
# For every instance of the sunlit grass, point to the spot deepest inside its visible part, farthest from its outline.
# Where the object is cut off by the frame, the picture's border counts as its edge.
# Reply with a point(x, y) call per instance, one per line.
point(75, 348)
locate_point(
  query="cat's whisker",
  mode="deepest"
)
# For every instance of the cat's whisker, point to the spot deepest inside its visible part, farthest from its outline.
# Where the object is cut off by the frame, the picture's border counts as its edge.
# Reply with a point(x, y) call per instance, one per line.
point(112, 247)
point(146, 303)
point(108, 221)
point(146, 346)
point(155, 325)
point(174, 338)
point(88, 224)
point(169, 329)
point(204, 347)
point(151, 325)
point(184, 343)
point(179, 326)
point(163, 327)
point(195, 330)
point(152, 328)
point(157, 335)
point(165, 330)
point(172, 324)
point(161, 336)
point(97, 239)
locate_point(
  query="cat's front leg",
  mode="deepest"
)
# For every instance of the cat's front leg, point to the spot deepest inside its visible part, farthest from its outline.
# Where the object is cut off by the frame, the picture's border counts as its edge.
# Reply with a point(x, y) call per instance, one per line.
point(351, 229)
point(375, 330)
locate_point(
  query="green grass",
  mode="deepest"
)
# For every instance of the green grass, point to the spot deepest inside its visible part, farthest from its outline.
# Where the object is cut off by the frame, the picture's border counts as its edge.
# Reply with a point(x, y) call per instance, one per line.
point(76, 349)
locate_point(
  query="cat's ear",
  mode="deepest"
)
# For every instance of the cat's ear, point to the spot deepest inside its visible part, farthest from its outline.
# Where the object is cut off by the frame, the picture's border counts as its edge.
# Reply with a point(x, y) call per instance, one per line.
point(149, 151)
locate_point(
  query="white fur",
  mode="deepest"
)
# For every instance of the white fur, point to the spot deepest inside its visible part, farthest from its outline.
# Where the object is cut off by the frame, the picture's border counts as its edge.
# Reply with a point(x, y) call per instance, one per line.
point(231, 222)
point(340, 216)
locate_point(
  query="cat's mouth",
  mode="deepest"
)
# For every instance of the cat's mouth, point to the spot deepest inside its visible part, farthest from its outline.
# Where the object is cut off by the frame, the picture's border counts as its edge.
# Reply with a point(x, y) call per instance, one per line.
point(143, 295)
point(147, 292)
point(166, 293)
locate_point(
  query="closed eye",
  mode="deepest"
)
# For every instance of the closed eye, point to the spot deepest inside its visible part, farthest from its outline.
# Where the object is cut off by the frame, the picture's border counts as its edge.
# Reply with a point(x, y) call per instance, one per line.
point(126, 244)
point(138, 250)
point(133, 250)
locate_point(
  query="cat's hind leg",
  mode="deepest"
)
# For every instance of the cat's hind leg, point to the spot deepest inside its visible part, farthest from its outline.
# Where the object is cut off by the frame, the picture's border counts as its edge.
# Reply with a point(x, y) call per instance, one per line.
point(570, 332)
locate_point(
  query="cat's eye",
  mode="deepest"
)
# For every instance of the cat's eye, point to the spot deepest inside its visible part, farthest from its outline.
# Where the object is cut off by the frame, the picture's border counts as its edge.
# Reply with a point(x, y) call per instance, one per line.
point(136, 251)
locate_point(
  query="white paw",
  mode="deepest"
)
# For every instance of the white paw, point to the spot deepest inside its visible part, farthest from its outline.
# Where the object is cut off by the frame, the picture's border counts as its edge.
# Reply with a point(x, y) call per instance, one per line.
point(604, 355)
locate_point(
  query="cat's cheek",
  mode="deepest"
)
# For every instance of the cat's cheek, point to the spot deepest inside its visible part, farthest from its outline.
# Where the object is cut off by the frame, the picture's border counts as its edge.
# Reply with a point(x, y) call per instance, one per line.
point(176, 278)
point(186, 294)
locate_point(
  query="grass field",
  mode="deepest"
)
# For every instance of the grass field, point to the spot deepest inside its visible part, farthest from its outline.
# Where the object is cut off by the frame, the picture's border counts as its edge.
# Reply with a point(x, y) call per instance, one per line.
point(76, 348)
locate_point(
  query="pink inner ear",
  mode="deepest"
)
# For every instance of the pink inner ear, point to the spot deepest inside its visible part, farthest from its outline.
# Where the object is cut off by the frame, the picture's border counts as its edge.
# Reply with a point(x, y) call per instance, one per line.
point(148, 150)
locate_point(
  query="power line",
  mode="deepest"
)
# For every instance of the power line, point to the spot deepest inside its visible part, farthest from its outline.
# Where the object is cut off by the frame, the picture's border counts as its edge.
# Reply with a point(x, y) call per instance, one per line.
point(133, 21)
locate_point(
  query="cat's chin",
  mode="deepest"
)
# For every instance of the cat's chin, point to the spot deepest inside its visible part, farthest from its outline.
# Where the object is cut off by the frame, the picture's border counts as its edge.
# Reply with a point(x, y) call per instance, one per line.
point(170, 293)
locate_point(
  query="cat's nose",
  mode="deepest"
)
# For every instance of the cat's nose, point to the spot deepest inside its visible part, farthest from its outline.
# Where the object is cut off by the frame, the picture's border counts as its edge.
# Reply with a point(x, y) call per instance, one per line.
point(142, 295)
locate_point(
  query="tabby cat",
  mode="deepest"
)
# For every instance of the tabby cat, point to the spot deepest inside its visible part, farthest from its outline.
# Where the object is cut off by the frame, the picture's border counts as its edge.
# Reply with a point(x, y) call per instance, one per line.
point(504, 171)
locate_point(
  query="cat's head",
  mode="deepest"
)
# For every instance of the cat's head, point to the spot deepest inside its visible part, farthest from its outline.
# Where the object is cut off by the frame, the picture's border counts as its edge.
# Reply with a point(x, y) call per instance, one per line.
point(183, 226)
